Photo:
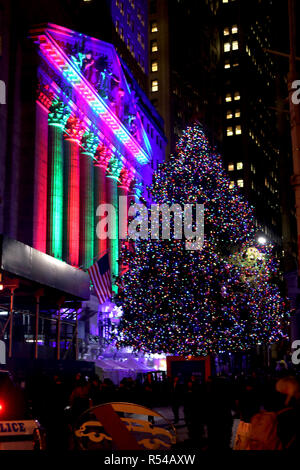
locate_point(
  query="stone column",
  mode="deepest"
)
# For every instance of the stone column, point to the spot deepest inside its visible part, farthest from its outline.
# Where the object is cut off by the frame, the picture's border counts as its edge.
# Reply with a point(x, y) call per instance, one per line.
point(137, 189)
point(134, 195)
point(43, 104)
point(103, 155)
point(113, 173)
point(58, 116)
point(73, 135)
point(90, 142)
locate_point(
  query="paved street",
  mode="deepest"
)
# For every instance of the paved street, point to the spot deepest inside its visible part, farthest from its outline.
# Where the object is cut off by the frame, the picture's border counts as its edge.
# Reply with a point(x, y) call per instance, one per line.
point(181, 429)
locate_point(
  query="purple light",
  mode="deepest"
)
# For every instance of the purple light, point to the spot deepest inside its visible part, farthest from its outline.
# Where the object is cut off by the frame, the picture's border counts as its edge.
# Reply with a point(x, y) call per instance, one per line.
point(60, 61)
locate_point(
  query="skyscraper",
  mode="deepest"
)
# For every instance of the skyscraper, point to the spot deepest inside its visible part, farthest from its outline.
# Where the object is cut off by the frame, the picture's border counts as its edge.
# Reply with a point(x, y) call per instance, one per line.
point(249, 78)
point(209, 61)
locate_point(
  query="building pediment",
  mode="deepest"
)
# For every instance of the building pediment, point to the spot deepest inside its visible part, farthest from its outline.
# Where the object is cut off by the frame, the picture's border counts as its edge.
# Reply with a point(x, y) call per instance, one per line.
point(94, 69)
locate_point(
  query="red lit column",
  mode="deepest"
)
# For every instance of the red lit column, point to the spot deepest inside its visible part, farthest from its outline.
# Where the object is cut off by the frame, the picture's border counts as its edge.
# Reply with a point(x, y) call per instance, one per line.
point(73, 136)
point(103, 155)
point(134, 195)
point(90, 142)
point(43, 103)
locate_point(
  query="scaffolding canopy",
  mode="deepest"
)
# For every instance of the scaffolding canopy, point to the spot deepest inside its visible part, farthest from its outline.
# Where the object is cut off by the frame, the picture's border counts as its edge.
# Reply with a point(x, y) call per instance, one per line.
point(20, 260)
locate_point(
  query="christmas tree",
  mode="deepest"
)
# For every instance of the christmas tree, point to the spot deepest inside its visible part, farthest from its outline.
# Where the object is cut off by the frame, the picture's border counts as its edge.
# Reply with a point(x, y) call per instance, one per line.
point(205, 301)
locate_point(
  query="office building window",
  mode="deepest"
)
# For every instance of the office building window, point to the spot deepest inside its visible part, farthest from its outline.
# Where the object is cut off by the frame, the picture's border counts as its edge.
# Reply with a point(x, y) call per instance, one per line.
point(154, 66)
point(228, 98)
point(231, 184)
point(154, 46)
point(235, 64)
point(238, 130)
point(231, 167)
point(237, 96)
point(224, 1)
point(235, 45)
point(229, 131)
point(226, 31)
point(154, 86)
point(234, 29)
point(237, 113)
point(229, 115)
point(240, 183)
point(227, 47)
point(239, 165)
point(154, 27)
point(227, 64)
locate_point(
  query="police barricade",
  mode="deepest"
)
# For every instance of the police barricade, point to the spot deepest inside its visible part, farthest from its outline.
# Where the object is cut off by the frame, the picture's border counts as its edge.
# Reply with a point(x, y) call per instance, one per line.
point(123, 426)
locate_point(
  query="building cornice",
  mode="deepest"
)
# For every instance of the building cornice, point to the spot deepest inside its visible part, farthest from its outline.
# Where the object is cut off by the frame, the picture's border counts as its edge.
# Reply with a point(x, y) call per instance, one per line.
point(54, 55)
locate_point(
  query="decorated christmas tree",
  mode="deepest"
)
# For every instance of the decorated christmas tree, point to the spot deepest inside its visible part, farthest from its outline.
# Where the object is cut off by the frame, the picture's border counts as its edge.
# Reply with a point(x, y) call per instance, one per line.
point(196, 302)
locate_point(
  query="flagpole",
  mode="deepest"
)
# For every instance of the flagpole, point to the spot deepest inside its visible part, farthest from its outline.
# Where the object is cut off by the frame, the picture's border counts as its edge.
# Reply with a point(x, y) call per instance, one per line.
point(98, 256)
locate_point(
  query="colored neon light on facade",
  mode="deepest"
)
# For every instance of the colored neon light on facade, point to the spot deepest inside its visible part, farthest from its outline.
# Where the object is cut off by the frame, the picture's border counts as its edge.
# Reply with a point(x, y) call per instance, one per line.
point(58, 58)
point(58, 116)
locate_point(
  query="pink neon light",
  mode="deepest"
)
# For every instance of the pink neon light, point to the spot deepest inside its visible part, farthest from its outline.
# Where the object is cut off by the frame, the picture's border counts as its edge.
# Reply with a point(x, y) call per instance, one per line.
point(41, 170)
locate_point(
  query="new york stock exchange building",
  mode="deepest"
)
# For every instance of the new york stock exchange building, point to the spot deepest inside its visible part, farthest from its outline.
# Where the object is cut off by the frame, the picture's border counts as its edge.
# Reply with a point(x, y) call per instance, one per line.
point(85, 134)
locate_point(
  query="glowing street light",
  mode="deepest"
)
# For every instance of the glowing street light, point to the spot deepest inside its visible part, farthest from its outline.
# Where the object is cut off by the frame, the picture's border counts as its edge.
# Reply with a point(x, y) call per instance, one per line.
point(262, 240)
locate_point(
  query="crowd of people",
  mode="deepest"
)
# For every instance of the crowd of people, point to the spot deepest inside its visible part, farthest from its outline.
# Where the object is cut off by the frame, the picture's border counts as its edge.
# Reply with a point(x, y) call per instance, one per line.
point(209, 407)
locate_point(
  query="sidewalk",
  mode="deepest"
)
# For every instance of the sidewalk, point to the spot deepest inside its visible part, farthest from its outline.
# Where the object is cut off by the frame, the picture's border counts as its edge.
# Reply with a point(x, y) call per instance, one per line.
point(181, 429)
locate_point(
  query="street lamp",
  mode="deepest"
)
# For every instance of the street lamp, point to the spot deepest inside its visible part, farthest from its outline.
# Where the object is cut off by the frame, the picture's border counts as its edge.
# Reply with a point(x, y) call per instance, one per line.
point(262, 240)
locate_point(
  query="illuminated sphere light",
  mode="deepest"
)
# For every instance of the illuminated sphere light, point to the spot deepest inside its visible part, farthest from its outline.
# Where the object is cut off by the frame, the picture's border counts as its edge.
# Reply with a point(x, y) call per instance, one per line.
point(262, 240)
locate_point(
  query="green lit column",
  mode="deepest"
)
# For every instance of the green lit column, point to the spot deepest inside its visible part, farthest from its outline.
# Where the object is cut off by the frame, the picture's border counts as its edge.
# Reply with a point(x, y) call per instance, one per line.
point(58, 116)
point(74, 131)
point(113, 173)
point(125, 179)
point(89, 142)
